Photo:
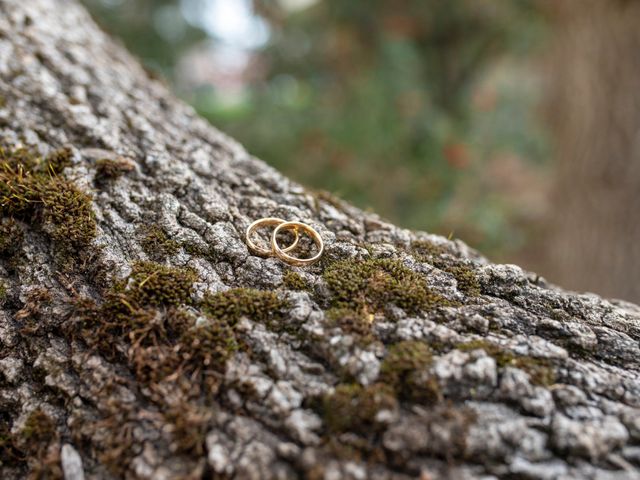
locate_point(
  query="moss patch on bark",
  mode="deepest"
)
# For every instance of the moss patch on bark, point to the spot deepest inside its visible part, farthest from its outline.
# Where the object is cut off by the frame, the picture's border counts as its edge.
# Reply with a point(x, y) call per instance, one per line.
point(445, 260)
point(370, 285)
point(33, 190)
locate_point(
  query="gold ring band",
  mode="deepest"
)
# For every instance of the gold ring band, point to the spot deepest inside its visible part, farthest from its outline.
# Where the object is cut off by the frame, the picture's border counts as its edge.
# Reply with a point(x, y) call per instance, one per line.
point(266, 222)
point(295, 226)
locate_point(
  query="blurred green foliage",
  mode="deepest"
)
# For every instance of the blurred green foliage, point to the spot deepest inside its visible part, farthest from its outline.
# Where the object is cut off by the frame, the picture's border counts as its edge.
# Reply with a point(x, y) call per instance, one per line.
point(422, 110)
point(155, 30)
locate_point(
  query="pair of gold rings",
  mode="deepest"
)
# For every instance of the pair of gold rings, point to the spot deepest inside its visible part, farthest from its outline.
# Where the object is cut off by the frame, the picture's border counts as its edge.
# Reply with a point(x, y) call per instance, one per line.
point(276, 250)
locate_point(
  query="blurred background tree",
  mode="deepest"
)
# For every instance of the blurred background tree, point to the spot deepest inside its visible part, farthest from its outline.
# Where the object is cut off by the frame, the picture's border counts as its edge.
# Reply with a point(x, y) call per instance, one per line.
point(590, 239)
point(427, 111)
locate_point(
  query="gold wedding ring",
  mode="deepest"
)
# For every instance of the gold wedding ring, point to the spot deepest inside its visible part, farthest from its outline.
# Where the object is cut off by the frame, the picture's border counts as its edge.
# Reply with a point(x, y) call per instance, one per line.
point(267, 222)
point(277, 250)
point(296, 227)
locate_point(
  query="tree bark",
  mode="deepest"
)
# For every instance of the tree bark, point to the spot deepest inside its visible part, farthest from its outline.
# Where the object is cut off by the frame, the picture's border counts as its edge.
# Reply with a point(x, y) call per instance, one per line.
point(139, 338)
point(594, 112)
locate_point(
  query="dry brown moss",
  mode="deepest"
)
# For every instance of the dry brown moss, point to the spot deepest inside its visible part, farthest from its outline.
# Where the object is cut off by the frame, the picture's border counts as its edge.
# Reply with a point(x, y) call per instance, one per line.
point(108, 168)
point(190, 424)
point(3, 292)
point(10, 453)
point(178, 363)
point(160, 338)
point(203, 352)
point(35, 447)
point(38, 428)
point(405, 368)
point(352, 407)
point(131, 310)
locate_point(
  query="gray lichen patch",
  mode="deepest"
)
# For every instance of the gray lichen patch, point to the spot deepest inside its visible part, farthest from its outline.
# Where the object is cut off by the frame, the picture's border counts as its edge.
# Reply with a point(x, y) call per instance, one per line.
point(540, 370)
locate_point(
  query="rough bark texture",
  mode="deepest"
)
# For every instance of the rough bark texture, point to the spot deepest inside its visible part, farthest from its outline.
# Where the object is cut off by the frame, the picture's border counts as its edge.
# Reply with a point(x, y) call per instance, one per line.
point(157, 346)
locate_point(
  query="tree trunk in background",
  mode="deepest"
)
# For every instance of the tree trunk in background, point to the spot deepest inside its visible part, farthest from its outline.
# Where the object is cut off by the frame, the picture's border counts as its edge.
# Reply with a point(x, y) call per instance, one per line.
point(140, 339)
point(593, 241)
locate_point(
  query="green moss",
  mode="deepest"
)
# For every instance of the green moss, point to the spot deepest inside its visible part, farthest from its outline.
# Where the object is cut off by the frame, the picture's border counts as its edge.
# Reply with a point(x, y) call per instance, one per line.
point(352, 322)
point(31, 190)
point(107, 168)
point(58, 160)
point(404, 368)
point(540, 370)
point(3, 292)
point(178, 363)
point(20, 190)
point(260, 306)
point(156, 243)
point(208, 346)
point(447, 261)
point(67, 214)
point(154, 284)
point(294, 281)
point(369, 285)
point(430, 249)
point(130, 311)
point(352, 407)
point(201, 251)
point(466, 279)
